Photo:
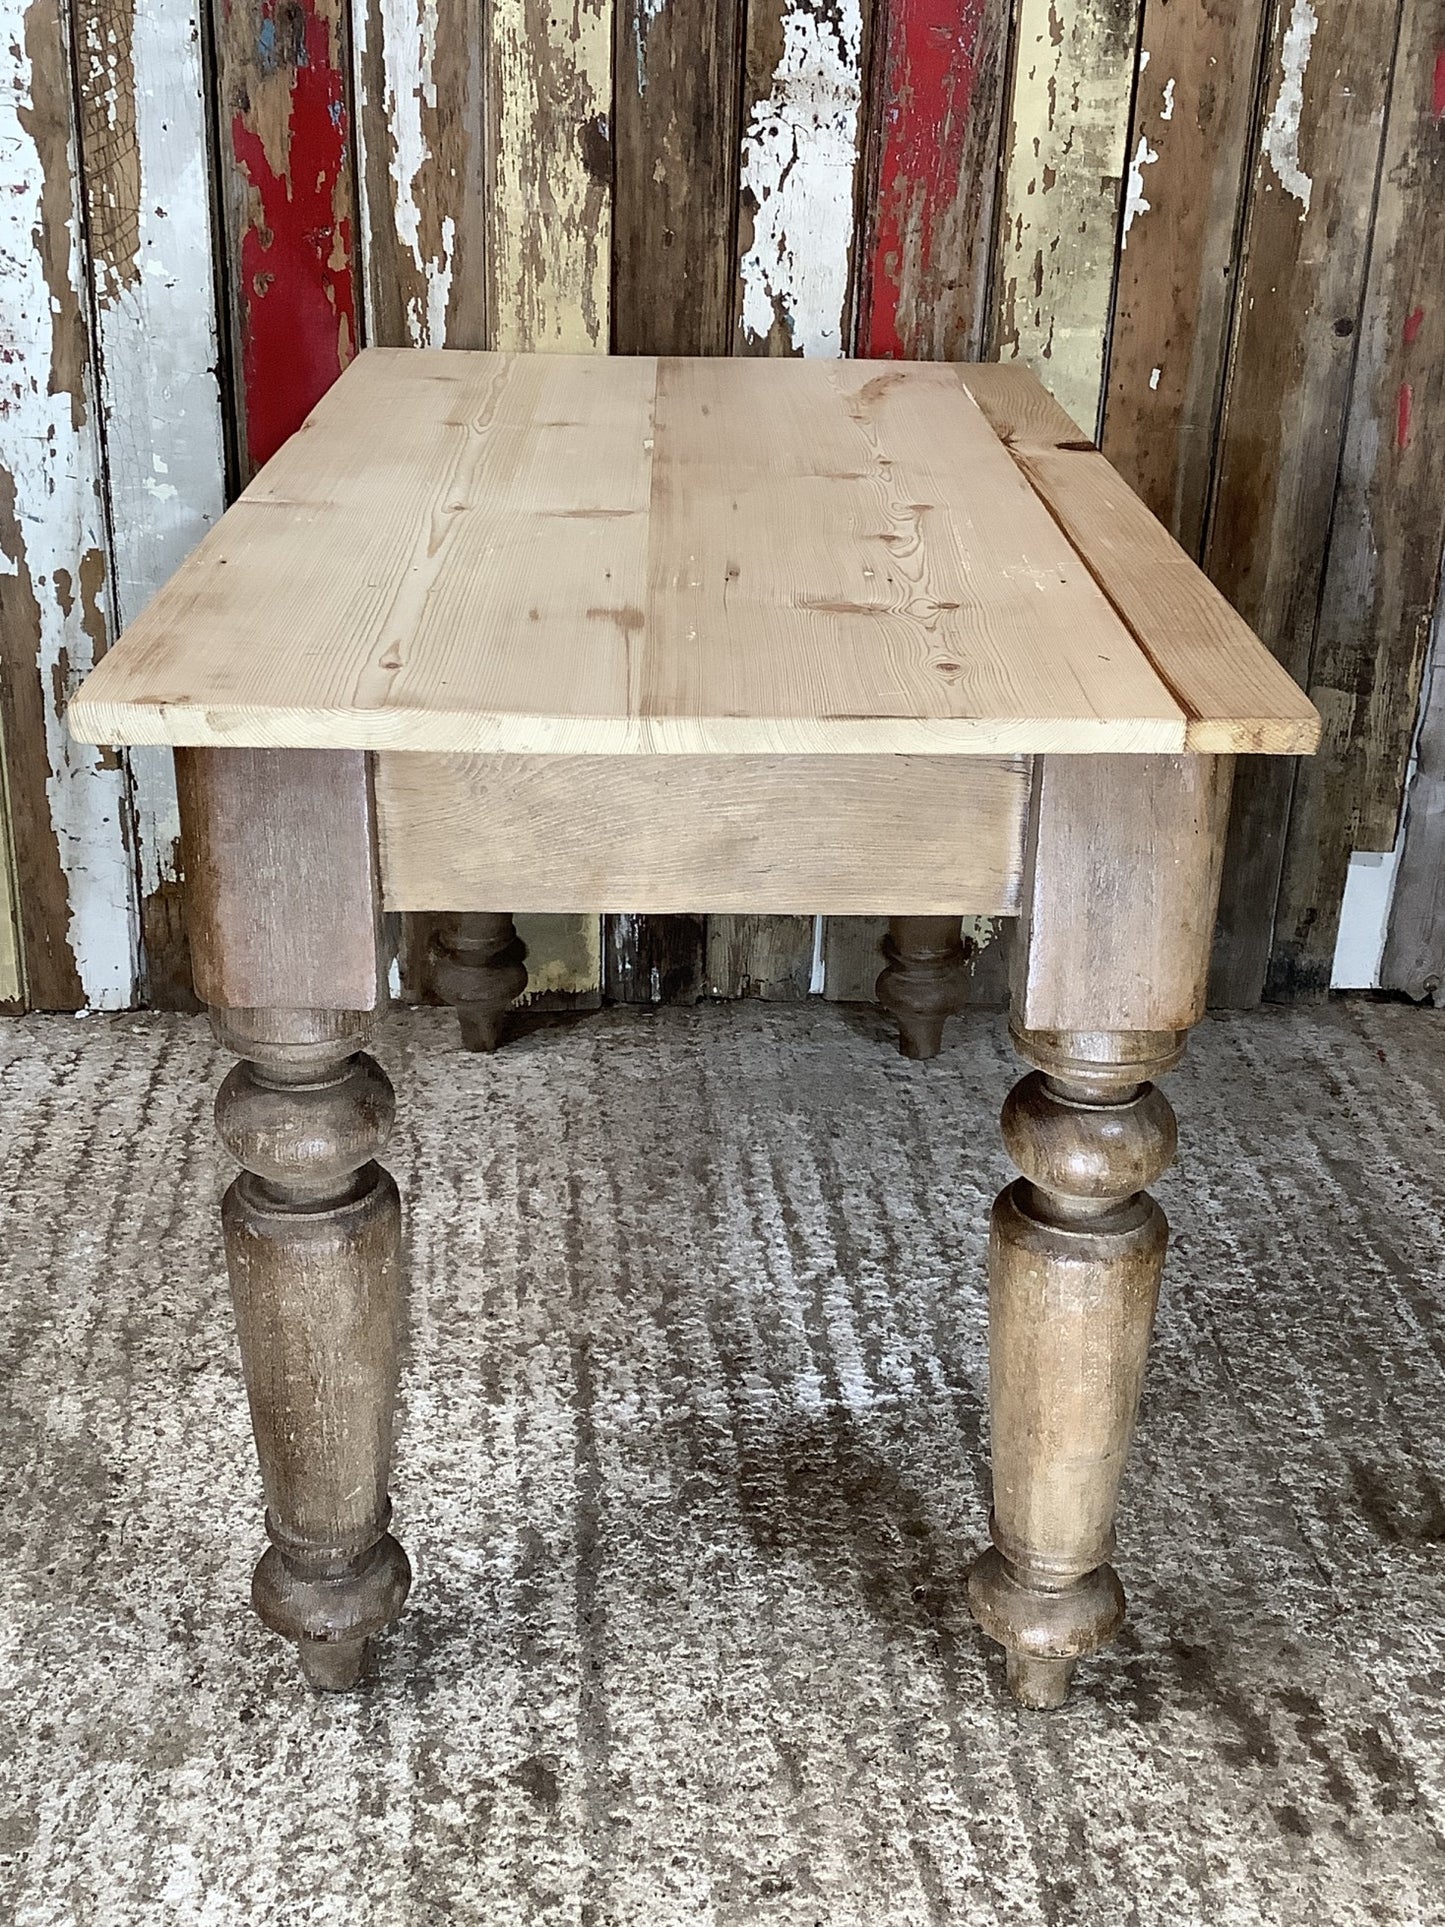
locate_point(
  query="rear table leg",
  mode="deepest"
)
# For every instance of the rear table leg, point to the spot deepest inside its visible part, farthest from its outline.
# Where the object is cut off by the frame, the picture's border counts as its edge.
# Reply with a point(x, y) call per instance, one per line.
point(479, 965)
point(925, 979)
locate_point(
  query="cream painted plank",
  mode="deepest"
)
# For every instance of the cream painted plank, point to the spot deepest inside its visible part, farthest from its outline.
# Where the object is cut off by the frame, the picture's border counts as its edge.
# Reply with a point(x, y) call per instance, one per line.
point(68, 803)
point(550, 160)
point(148, 207)
point(454, 555)
point(1068, 135)
point(920, 835)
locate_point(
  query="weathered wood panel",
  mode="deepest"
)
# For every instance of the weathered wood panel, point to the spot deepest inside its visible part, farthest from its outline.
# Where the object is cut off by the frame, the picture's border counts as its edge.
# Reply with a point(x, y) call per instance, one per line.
point(549, 254)
point(1387, 530)
point(801, 154)
point(1189, 146)
point(148, 214)
point(1414, 958)
point(938, 129)
point(12, 973)
point(419, 95)
point(1069, 122)
point(676, 100)
point(549, 174)
point(1299, 304)
point(67, 802)
point(675, 212)
point(289, 205)
point(801, 168)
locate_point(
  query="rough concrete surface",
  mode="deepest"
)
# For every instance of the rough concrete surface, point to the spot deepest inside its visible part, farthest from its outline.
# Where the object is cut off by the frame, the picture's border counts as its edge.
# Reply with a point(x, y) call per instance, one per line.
point(691, 1466)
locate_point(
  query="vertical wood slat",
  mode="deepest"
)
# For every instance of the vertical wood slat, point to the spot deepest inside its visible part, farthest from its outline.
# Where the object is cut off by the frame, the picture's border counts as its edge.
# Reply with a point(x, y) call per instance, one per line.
point(146, 193)
point(486, 198)
point(1188, 150)
point(1298, 306)
point(1382, 577)
point(937, 113)
point(1074, 65)
point(288, 198)
point(549, 255)
point(801, 167)
point(676, 95)
point(419, 88)
point(1414, 959)
point(68, 803)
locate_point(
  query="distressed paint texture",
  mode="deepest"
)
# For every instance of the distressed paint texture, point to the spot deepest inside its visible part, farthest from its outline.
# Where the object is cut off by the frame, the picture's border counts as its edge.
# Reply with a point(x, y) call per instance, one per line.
point(550, 167)
point(68, 801)
point(290, 204)
point(938, 114)
point(1299, 307)
point(1073, 76)
point(1382, 578)
point(800, 164)
point(147, 196)
point(419, 130)
point(1193, 109)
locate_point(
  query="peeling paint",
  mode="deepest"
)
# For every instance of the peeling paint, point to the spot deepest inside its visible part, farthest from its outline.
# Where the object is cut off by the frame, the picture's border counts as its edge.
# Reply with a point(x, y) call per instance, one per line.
point(291, 194)
point(69, 800)
point(799, 169)
point(550, 89)
point(1282, 130)
point(1135, 204)
point(1074, 74)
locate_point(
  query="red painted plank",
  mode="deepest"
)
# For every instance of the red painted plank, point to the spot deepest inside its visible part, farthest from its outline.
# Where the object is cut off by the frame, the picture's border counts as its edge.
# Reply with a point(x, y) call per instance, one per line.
point(938, 121)
point(291, 211)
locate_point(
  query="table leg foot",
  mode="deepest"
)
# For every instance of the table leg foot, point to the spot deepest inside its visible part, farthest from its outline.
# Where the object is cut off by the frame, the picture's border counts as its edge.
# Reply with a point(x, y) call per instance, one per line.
point(313, 1245)
point(924, 980)
point(1075, 1255)
point(479, 966)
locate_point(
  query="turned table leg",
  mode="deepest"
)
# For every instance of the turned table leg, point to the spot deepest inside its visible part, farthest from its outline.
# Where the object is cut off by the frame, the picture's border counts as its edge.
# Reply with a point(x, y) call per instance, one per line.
point(924, 981)
point(313, 1235)
point(479, 966)
point(1075, 1253)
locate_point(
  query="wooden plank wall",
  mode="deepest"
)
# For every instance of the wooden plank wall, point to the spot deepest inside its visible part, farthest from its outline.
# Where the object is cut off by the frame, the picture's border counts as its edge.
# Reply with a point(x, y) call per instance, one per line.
point(1217, 233)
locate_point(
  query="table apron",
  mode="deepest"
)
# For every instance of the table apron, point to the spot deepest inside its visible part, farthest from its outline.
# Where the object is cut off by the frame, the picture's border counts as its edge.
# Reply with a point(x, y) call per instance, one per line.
point(831, 835)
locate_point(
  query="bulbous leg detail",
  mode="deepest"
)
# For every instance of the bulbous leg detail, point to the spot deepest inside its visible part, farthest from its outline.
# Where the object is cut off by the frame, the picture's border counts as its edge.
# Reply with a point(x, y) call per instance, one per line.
point(924, 981)
point(313, 1245)
point(1075, 1255)
point(479, 966)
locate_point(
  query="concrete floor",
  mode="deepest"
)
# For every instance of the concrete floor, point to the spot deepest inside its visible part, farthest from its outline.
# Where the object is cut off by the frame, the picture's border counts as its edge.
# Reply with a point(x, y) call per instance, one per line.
point(692, 1464)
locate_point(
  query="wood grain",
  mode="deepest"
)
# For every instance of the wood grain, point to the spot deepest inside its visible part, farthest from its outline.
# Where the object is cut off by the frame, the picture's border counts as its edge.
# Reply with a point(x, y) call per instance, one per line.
point(281, 891)
point(676, 107)
point(1234, 694)
point(1414, 959)
point(923, 834)
point(1188, 151)
point(1121, 877)
point(1387, 534)
point(1299, 304)
point(871, 575)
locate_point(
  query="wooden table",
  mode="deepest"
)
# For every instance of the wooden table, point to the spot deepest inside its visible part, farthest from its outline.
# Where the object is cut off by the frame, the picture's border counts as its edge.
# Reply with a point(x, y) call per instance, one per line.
point(570, 634)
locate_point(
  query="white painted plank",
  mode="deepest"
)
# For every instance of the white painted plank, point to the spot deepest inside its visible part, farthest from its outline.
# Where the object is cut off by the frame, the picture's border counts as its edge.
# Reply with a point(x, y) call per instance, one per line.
point(52, 530)
point(143, 143)
point(800, 157)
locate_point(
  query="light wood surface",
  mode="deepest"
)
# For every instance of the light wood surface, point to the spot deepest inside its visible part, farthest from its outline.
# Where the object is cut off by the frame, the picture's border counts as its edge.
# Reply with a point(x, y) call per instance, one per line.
point(1235, 696)
point(548, 554)
point(830, 835)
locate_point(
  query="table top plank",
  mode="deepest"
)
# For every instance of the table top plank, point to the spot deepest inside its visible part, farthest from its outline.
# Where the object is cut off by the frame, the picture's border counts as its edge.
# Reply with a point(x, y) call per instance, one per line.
point(1235, 695)
point(469, 552)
